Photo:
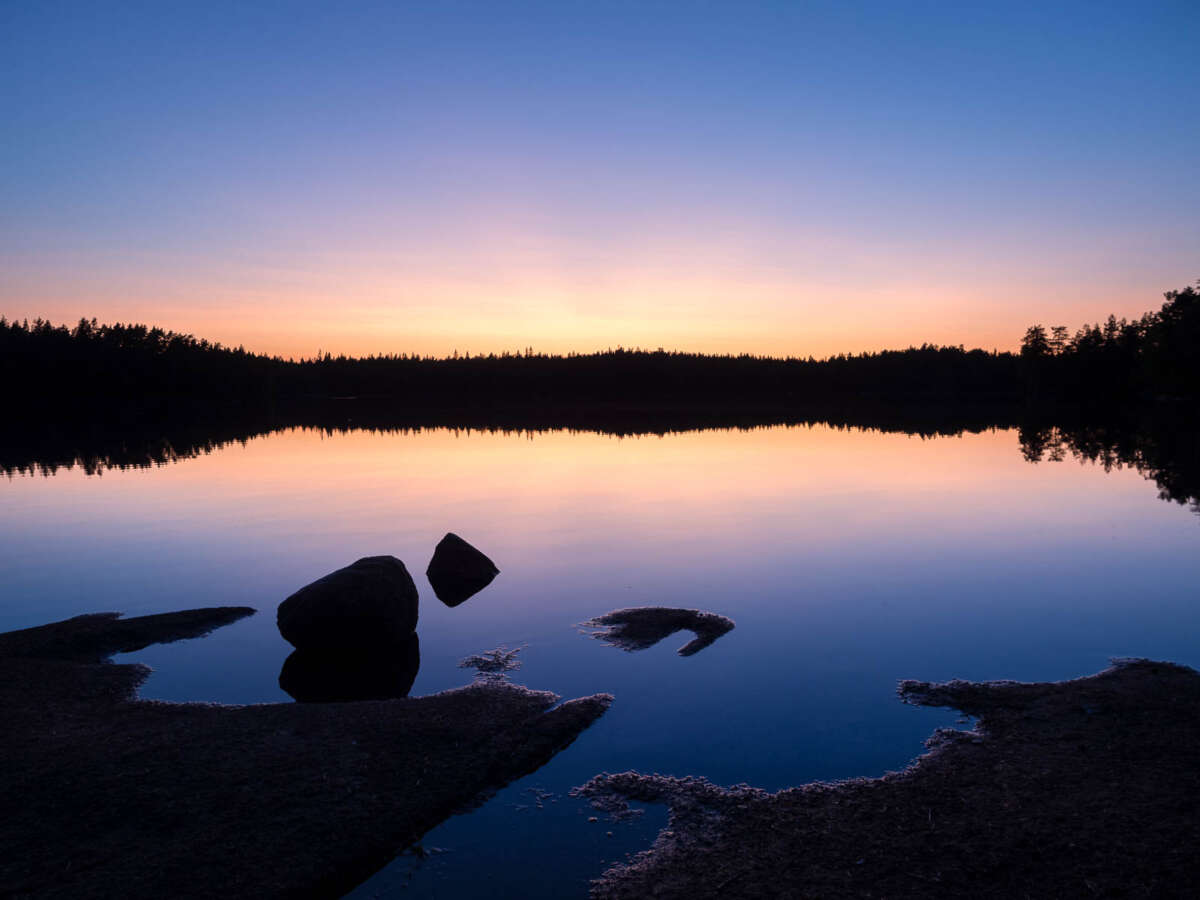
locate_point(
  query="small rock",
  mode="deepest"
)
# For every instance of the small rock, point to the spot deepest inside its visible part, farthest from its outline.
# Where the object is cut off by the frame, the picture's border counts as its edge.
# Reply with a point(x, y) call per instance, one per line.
point(644, 626)
point(458, 571)
point(493, 665)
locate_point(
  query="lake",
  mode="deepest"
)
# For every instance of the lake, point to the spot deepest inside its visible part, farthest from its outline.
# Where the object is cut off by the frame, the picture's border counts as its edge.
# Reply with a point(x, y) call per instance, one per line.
point(848, 558)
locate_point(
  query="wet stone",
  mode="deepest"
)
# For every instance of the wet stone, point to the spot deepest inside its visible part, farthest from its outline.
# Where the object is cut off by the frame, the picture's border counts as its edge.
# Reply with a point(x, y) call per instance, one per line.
point(642, 627)
point(458, 571)
point(369, 603)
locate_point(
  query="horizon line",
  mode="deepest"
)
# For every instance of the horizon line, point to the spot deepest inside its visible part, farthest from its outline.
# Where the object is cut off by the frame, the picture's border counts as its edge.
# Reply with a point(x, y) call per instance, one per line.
point(525, 352)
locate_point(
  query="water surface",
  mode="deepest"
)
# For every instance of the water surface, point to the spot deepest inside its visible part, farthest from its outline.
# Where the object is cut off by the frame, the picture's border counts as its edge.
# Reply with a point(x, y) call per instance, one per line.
point(847, 558)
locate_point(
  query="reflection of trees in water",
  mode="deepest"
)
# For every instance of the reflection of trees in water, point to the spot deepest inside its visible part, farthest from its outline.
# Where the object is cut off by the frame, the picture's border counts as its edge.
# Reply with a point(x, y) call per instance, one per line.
point(1165, 448)
point(141, 439)
point(1166, 452)
point(96, 449)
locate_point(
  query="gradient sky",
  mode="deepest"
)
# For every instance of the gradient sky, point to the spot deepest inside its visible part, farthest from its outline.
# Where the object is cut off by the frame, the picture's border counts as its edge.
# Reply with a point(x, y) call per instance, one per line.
point(775, 178)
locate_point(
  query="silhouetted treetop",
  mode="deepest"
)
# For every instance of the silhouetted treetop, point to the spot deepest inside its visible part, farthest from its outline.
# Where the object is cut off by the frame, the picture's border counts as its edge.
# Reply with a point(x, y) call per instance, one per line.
point(1156, 354)
point(93, 364)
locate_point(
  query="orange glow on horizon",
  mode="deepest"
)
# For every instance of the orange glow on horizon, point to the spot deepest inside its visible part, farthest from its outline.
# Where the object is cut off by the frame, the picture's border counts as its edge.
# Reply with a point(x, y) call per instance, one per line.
point(770, 320)
point(507, 281)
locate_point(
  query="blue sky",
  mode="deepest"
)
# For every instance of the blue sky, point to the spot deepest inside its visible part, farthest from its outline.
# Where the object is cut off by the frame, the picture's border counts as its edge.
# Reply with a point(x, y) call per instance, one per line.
point(768, 177)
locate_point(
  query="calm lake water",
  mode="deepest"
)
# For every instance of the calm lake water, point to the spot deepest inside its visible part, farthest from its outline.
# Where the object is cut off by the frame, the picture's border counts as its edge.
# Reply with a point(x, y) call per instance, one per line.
point(848, 559)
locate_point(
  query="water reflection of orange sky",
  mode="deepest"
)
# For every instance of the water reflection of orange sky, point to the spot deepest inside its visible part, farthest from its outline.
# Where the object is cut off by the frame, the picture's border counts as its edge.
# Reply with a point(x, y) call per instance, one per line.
point(524, 495)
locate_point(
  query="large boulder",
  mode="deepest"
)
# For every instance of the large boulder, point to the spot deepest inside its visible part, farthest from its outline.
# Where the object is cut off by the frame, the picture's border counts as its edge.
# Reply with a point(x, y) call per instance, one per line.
point(370, 603)
point(458, 571)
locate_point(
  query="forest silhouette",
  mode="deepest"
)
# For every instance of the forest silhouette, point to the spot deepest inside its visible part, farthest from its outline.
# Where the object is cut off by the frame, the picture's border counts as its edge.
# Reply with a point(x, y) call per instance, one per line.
point(105, 397)
point(142, 369)
point(1155, 355)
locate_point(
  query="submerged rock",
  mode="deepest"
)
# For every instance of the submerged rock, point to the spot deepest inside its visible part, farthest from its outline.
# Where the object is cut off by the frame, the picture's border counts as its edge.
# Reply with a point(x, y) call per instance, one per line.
point(106, 795)
point(458, 571)
point(1083, 788)
point(369, 603)
point(644, 626)
point(332, 676)
point(493, 664)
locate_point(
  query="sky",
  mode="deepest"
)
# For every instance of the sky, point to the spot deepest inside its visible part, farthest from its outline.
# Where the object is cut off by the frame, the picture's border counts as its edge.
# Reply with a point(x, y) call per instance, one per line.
point(775, 178)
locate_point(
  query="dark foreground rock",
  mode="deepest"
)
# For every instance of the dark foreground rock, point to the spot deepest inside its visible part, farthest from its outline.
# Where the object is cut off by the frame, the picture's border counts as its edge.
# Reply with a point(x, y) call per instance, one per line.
point(642, 627)
point(371, 602)
point(104, 795)
point(96, 637)
point(1086, 788)
point(338, 676)
point(458, 571)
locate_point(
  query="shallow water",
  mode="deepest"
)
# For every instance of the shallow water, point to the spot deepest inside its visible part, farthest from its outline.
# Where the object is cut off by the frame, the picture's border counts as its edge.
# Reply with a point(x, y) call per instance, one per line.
point(848, 560)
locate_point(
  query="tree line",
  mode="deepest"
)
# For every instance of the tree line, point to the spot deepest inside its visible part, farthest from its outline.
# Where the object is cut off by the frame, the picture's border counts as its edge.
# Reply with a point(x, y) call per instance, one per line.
point(52, 368)
point(1156, 354)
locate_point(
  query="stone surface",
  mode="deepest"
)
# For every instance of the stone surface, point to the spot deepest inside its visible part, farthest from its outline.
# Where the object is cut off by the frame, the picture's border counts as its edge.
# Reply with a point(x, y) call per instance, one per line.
point(458, 571)
point(371, 602)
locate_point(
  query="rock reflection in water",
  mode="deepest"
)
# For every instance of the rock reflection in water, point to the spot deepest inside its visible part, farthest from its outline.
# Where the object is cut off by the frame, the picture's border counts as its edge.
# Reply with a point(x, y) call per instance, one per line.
point(313, 676)
point(642, 627)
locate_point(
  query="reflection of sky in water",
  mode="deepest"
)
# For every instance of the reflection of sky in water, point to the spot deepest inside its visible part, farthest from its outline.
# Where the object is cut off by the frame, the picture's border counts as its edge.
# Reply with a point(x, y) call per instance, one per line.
point(848, 560)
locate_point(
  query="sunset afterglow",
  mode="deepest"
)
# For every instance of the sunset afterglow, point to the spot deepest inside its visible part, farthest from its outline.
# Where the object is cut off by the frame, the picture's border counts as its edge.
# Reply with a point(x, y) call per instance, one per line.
point(766, 178)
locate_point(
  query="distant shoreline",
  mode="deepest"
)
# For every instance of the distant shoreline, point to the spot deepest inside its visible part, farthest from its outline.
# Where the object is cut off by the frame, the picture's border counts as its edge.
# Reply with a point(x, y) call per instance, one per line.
point(1114, 364)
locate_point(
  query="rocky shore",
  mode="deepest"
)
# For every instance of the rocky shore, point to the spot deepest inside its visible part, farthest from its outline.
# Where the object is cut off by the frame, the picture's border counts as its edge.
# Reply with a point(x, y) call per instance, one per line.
point(1084, 788)
point(107, 796)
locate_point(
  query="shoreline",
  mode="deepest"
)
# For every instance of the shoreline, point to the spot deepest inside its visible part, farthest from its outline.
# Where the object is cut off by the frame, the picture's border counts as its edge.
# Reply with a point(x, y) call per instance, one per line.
point(109, 795)
point(1086, 787)
point(1078, 788)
